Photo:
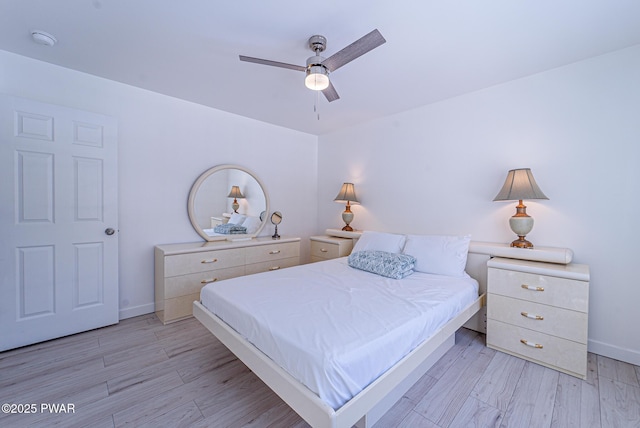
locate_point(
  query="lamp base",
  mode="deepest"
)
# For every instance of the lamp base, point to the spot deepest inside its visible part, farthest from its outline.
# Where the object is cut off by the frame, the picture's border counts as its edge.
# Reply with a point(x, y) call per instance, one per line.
point(347, 217)
point(521, 243)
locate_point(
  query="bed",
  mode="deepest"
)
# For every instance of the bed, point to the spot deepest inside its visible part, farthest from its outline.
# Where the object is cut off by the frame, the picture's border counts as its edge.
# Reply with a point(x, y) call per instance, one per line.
point(340, 344)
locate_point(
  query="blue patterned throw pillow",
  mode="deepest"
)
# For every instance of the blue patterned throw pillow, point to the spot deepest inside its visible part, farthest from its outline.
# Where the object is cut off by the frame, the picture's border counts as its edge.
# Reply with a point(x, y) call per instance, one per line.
point(391, 265)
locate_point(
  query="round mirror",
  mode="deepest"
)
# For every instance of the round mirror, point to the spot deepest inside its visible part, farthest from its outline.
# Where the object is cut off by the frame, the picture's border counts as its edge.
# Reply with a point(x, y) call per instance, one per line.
point(276, 219)
point(227, 202)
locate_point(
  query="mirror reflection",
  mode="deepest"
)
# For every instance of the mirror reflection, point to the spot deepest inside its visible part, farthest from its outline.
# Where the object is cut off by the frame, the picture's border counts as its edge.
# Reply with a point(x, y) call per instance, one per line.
point(226, 202)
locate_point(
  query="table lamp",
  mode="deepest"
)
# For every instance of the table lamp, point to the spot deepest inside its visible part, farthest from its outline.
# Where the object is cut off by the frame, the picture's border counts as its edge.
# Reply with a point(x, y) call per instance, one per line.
point(518, 186)
point(347, 194)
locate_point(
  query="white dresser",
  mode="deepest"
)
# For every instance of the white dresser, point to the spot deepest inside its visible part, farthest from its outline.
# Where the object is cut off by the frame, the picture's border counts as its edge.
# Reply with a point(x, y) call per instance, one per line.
point(539, 311)
point(181, 270)
point(329, 247)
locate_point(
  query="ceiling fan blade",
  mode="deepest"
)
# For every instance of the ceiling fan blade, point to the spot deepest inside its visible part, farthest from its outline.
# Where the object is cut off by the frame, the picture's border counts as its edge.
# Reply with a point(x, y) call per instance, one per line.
point(330, 93)
point(272, 63)
point(354, 50)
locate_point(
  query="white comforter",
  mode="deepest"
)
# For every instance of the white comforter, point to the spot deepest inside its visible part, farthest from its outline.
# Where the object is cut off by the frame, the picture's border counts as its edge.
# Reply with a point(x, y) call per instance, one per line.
point(333, 327)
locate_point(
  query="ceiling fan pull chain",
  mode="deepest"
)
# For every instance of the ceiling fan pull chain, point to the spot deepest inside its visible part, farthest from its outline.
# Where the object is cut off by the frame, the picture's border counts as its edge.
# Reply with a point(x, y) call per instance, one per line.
point(315, 105)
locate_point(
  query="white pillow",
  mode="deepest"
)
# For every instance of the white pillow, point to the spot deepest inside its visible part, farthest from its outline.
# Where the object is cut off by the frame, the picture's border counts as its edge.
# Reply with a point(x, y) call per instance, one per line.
point(380, 241)
point(236, 219)
point(439, 254)
point(252, 224)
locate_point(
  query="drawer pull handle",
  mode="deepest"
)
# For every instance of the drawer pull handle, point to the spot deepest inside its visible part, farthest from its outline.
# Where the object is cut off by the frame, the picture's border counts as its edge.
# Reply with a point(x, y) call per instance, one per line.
point(533, 345)
point(209, 261)
point(323, 250)
point(533, 317)
point(208, 281)
point(274, 252)
point(532, 288)
point(274, 268)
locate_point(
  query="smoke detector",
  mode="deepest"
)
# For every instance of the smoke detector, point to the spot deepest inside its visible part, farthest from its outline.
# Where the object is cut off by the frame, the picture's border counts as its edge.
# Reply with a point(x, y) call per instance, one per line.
point(43, 38)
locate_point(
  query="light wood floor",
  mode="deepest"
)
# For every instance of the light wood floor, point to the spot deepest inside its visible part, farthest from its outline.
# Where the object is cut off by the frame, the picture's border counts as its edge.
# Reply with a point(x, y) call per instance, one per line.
point(141, 373)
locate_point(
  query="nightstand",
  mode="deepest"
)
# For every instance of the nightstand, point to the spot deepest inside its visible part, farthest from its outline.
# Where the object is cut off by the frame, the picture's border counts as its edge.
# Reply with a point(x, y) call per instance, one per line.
point(539, 311)
point(329, 247)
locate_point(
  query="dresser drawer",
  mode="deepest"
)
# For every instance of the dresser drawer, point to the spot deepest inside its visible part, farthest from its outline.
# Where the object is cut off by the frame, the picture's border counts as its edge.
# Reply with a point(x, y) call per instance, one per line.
point(178, 308)
point(549, 290)
point(559, 322)
point(181, 264)
point(272, 265)
point(265, 253)
point(188, 284)
point(561, 354)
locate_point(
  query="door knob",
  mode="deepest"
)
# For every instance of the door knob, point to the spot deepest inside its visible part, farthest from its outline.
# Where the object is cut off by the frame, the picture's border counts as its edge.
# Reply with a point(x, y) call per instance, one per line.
point(109, 231)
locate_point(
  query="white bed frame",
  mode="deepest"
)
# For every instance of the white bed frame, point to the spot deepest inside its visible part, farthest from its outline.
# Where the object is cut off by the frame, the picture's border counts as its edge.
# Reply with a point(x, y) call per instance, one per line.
point(364, 409)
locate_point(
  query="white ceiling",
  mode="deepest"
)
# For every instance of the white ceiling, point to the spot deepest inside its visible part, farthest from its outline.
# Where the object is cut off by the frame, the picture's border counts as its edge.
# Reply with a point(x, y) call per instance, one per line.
point(436, 49)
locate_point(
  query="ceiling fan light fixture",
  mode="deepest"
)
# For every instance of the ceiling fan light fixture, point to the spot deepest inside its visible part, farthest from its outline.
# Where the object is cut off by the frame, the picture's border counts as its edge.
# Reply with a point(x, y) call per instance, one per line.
point(317, 78)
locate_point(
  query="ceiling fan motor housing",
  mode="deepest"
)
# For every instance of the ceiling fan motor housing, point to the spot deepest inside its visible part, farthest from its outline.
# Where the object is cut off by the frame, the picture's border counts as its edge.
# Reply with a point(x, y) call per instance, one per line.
point(317, 43)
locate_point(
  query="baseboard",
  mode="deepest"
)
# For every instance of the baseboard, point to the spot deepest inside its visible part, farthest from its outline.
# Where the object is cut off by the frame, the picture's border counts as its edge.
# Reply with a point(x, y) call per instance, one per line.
point(136, 311)
point(617, 353)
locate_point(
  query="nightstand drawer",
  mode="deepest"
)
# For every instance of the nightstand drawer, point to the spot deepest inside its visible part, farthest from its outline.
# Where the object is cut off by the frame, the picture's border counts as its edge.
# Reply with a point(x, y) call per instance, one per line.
point(548, 290)
point(561, 354)
point(264, 253)
point(181, 264)
point(188, 284)
point(324, 250)
point(563, 323)
point(329, 247)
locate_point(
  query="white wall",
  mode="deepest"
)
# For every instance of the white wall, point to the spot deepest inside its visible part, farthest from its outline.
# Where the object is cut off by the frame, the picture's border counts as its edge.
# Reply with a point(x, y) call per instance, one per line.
point(436, 169)
point(164, 145)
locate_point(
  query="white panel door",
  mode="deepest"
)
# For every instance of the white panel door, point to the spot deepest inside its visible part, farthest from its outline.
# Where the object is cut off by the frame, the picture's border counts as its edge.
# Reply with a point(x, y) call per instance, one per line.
point(58, 193)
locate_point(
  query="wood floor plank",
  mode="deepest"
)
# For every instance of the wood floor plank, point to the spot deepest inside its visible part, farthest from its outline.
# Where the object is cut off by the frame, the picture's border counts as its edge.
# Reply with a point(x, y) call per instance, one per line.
point(477, 413)
point(400, 410)
point(463, 339)
point(590, 395)
point(619, 404)
point(279, 415)
point(617, 370)
point(415, 420)
point(145, 409)
point(533, 399)
point(420, 388)
point(442, 402)
point(566, 410)
point(498, 382)
point(180, 417)
point(143, 373)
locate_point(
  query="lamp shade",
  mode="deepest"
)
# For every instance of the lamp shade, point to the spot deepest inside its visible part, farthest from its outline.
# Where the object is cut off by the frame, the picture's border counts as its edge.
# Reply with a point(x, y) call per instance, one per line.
point(235, 193)
point(519, 185)
point(347, 194)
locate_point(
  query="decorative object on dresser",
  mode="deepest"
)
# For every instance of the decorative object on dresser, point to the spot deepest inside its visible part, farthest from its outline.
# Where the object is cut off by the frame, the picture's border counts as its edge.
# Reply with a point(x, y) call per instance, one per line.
point(181, 270)
point(347, 194)
point(539, 311)
point(208, 204)
point(235, 193)
point(276, 219)
point(329, 247)
point(520, 185)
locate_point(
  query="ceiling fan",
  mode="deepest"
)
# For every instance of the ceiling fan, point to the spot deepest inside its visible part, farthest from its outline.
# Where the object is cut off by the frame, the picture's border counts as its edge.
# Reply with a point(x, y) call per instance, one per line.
point(318, 67)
